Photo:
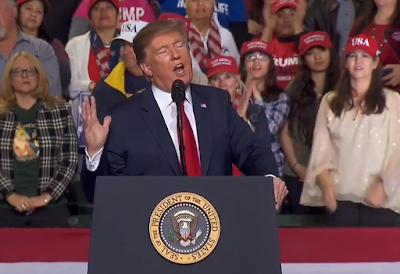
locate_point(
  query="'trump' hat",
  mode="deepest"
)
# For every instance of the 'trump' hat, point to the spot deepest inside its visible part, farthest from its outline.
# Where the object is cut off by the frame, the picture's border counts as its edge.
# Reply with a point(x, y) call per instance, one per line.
point(312, 39)
point(130, 29)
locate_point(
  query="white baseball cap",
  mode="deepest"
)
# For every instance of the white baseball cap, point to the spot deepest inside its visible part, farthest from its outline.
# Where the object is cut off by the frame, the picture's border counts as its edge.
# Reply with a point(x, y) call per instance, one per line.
point(130, 29)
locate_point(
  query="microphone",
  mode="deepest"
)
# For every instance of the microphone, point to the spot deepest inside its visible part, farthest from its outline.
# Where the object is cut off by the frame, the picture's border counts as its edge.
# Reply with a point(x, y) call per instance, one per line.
point(178, 95)
point(178, 91)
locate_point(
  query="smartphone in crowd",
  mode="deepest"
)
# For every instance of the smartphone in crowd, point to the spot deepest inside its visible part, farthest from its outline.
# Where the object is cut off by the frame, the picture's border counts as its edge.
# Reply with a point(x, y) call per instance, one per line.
point(385, 72)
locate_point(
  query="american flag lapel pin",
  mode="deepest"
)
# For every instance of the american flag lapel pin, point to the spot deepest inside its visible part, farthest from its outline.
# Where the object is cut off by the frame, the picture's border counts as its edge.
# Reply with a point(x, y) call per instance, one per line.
point(203, 105)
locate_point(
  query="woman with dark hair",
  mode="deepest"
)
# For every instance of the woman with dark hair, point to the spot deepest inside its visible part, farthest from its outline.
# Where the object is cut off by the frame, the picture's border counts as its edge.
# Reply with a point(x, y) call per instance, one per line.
point(319, 72)
point(383, 23)
point(354, 166)
point(258, 73)
point(30, 20)
point(94, 54)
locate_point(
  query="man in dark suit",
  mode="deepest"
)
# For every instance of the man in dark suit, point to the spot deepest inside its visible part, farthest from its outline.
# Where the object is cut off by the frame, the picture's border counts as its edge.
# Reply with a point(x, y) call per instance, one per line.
point(142, 138)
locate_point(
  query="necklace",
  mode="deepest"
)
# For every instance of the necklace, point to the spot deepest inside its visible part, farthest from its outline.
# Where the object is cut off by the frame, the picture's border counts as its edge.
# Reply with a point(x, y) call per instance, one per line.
point(384, 41)
point(107, 45)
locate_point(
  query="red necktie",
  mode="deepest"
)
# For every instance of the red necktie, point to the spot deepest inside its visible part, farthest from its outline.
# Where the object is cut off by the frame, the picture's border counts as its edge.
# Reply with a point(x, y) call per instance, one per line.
point(191, 155)
point(236, 171)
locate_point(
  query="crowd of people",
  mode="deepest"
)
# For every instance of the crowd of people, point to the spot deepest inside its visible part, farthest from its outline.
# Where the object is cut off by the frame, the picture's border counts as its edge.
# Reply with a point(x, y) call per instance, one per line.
point(310, 98)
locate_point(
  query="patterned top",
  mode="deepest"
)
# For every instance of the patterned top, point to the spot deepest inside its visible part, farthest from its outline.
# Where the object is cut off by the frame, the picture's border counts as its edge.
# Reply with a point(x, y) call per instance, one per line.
point(58, 150)
point(358, 150)
point(44, 52)
point(277, 113)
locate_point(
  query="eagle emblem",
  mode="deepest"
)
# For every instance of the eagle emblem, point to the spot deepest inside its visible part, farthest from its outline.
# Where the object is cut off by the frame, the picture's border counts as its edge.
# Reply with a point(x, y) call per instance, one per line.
point(184, 225)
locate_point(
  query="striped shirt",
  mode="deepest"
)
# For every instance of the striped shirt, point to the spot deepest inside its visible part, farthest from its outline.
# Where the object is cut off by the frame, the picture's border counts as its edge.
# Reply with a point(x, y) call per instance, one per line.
point(44, 52)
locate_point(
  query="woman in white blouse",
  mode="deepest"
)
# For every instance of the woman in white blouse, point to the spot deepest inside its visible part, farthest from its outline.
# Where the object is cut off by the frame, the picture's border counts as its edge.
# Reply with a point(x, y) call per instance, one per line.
point(354, 169)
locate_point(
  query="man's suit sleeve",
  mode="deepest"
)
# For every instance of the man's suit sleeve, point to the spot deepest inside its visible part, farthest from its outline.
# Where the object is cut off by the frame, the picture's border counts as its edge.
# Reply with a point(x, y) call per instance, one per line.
point(251, 153)
point(115, 147)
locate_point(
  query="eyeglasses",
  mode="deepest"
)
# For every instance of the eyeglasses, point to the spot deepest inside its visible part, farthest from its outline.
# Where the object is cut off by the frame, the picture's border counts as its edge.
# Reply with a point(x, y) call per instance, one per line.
point(256, 56)
point(19, 72)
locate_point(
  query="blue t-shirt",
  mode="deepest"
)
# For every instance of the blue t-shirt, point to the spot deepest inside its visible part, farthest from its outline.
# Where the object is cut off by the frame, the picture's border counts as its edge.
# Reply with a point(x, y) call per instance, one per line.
point(227, 10)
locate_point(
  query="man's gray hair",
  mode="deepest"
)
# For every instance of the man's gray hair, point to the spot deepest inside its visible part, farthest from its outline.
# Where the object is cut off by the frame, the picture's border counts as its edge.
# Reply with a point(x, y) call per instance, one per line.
point(145, 36)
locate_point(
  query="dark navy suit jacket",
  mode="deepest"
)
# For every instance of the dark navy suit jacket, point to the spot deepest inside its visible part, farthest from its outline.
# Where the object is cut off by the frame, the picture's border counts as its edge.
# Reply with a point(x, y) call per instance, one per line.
point(139, 142)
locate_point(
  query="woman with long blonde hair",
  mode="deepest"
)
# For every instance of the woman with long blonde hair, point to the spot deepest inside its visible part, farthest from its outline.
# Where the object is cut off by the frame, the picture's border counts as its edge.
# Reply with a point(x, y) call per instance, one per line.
point(223, 73)
point(39, 148)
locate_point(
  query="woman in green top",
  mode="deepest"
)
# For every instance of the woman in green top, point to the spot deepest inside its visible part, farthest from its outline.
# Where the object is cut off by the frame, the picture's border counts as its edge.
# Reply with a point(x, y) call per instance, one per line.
point(319, 73)
point(38, 148)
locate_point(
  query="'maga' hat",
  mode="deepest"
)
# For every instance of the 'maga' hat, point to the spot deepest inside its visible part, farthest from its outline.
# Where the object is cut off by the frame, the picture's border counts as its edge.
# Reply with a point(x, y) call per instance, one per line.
point(313, 39)
point(220, 64)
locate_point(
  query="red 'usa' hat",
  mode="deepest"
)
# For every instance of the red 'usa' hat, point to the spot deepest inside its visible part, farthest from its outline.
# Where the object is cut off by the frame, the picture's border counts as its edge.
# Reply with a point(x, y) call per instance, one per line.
point(362, 42)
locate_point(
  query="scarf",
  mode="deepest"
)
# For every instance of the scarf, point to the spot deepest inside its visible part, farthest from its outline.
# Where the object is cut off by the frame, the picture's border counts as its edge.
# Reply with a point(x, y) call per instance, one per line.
point(197, 46)
point(104, 62)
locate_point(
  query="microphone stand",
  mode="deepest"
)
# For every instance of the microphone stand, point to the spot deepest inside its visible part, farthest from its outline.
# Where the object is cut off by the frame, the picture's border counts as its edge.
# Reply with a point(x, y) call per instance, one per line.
point(180, 134)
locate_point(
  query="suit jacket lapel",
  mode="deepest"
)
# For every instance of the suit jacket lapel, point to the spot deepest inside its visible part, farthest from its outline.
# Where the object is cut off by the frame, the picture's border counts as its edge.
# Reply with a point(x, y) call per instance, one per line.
point(152, 116)
point(203, 117)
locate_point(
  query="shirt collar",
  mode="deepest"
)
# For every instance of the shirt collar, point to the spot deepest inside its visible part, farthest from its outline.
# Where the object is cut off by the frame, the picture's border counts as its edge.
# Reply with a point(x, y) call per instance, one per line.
point(164, 99)
point(203, 37)
point(215, 18)
point(23, 36)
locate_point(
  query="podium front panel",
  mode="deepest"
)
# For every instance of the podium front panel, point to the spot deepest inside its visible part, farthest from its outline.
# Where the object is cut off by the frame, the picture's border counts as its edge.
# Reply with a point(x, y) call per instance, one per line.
point(140, 225)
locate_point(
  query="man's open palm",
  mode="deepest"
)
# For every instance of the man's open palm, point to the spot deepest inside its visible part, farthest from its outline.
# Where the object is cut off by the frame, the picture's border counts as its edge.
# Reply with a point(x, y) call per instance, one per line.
point(95, 133)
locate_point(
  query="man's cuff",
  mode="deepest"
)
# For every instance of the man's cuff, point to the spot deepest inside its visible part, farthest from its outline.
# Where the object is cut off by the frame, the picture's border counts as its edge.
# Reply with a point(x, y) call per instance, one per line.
point(91, 159)
point(270, 175)
point(92, 163)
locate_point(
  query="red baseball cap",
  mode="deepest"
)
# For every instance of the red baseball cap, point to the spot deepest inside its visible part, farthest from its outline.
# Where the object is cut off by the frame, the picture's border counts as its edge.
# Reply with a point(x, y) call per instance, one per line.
point(46, 4)
point(312, 39)
point(362, 42)
point(220, 64)
point(255, 45)
point(94, 2)
point(280, 4)
point(174, 16)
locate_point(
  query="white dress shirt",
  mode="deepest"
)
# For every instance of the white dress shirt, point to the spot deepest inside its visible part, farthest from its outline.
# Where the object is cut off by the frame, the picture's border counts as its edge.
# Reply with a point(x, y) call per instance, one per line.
point(169, 113)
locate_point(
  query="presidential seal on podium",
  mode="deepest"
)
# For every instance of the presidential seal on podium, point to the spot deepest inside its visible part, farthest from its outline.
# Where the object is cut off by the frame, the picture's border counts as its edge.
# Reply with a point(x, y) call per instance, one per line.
point(184, 228)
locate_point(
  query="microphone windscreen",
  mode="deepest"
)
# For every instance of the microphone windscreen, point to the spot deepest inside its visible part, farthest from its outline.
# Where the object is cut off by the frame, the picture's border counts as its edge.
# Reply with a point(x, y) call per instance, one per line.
point(178, 91)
